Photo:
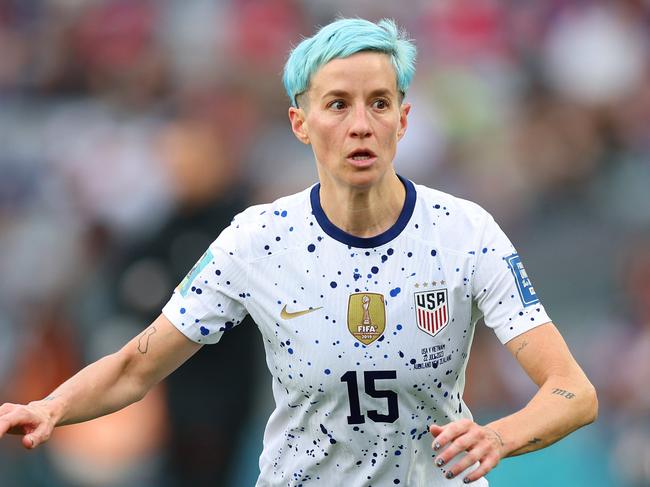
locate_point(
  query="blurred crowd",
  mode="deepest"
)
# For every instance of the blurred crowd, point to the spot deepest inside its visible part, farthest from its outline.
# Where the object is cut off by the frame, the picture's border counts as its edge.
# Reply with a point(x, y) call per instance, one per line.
point(131, 131)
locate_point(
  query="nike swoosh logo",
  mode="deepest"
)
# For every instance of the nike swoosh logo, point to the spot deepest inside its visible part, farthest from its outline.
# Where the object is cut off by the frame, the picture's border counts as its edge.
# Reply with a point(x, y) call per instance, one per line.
point(286, 315)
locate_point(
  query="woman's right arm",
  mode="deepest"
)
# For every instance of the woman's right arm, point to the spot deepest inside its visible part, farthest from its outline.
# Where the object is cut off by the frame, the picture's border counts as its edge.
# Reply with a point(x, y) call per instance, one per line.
point(102, 387)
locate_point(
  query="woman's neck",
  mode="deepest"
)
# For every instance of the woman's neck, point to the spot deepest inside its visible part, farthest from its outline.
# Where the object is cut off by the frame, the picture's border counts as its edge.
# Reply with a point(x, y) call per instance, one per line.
point(366, 212)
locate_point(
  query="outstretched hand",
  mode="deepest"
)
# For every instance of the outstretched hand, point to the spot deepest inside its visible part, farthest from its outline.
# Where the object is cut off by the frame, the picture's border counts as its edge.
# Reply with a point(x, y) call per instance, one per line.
point(479, 443)
point(31, 420)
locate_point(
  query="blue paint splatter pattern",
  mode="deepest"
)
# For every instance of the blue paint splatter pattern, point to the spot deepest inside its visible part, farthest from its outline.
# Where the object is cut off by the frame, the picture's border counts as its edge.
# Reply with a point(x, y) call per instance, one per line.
point(304, 285)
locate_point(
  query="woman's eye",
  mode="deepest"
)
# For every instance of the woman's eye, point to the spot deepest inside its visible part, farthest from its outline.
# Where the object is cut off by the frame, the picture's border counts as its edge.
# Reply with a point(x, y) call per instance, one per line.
point(337, 105)
point(380, 104)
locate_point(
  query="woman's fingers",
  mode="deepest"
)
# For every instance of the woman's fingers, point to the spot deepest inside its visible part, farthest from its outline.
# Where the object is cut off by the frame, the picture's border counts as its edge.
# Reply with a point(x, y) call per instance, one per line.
point(475, 443)
point(28, 421)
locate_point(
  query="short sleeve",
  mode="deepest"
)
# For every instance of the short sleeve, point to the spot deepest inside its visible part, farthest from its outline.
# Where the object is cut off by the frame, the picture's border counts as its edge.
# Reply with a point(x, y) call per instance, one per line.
point(502, 290)
point(210, 300)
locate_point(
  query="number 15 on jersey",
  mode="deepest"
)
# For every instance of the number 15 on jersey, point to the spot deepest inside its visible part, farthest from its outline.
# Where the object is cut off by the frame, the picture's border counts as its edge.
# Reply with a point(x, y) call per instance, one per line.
point(369, 378)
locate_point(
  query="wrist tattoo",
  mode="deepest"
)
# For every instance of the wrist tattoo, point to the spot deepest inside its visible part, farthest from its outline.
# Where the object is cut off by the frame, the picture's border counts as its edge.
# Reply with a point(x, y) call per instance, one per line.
point(143, 341)
point(563, 393)
point(51, 397)
point(497, 435)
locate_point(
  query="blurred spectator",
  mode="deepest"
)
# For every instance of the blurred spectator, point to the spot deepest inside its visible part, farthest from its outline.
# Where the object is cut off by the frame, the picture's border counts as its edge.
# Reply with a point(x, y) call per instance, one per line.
point(620, 353)
point(595, 54)
point(210, 397)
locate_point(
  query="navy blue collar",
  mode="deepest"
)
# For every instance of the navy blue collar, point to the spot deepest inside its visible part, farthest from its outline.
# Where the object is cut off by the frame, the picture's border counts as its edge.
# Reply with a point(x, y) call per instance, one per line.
point(361, 242)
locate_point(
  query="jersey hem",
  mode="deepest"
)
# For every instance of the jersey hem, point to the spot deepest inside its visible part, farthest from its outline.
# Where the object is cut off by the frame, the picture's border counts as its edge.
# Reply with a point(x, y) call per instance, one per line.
point(520, 327)
point(175, 320)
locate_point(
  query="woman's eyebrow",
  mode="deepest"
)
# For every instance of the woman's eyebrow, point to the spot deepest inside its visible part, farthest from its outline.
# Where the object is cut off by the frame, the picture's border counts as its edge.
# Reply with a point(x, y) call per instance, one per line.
point(343, 94)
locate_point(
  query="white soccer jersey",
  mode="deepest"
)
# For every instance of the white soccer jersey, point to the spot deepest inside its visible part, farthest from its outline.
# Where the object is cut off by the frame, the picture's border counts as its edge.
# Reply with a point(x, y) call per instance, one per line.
point(367, 339)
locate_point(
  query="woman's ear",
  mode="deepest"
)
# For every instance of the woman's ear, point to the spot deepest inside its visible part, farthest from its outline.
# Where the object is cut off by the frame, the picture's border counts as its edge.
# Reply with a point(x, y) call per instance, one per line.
point(299, 124)
point(403, 119)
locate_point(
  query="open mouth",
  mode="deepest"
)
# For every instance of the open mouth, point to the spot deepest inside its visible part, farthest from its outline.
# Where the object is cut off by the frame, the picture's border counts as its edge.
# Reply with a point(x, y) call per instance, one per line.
point(361, 155)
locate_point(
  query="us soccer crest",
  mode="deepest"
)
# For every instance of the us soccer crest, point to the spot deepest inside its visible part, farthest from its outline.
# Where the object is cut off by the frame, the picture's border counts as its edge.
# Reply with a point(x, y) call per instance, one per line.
point(366, 316)
point(432, 310)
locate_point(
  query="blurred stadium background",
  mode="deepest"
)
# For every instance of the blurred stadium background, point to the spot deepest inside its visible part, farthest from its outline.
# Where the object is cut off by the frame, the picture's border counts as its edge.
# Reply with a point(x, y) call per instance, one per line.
point(132, 131)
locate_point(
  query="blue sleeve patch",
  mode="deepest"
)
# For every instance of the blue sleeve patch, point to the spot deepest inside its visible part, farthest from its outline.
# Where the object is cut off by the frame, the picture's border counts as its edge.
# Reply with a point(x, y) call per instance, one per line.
point(186, 284)
point(524, 286)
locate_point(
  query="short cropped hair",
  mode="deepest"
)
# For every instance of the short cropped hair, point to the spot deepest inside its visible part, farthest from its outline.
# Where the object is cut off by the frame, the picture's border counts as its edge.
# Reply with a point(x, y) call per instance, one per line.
point(343, 38)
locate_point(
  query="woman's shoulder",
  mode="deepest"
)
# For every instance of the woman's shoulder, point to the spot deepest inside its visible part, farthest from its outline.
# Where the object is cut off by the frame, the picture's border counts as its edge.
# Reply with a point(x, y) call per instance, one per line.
point(454, 208)
point(263, 229)
point(285, 208)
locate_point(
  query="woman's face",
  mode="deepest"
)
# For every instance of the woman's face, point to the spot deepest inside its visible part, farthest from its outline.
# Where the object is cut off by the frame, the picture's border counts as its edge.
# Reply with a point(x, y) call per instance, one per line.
point(352, 117)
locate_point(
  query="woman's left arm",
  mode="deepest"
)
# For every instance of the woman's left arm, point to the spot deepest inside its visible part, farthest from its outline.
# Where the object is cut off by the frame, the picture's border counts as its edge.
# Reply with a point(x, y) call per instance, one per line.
point(565, 401)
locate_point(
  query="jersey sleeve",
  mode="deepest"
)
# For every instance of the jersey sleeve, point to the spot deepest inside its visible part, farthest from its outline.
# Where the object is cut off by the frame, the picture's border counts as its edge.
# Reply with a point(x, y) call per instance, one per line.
point(210, 300)
point(502, 290)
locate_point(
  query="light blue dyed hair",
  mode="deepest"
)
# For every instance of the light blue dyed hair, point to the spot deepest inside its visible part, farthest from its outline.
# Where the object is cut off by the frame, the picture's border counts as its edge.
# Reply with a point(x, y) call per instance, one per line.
point(343, 38)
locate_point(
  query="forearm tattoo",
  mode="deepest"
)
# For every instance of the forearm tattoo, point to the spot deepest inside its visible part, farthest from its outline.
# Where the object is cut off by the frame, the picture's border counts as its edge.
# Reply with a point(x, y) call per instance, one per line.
point(143, 341)
point(563, 393)
point(521, 347)
point(51, 397)
point(534, 441)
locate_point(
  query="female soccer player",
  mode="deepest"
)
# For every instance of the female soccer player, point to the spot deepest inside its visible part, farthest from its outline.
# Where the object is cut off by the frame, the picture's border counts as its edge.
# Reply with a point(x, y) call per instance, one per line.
point(366, 289)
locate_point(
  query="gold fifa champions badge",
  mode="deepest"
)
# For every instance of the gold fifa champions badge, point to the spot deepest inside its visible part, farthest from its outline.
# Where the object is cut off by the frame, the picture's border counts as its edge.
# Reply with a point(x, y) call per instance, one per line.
point(366, 316)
